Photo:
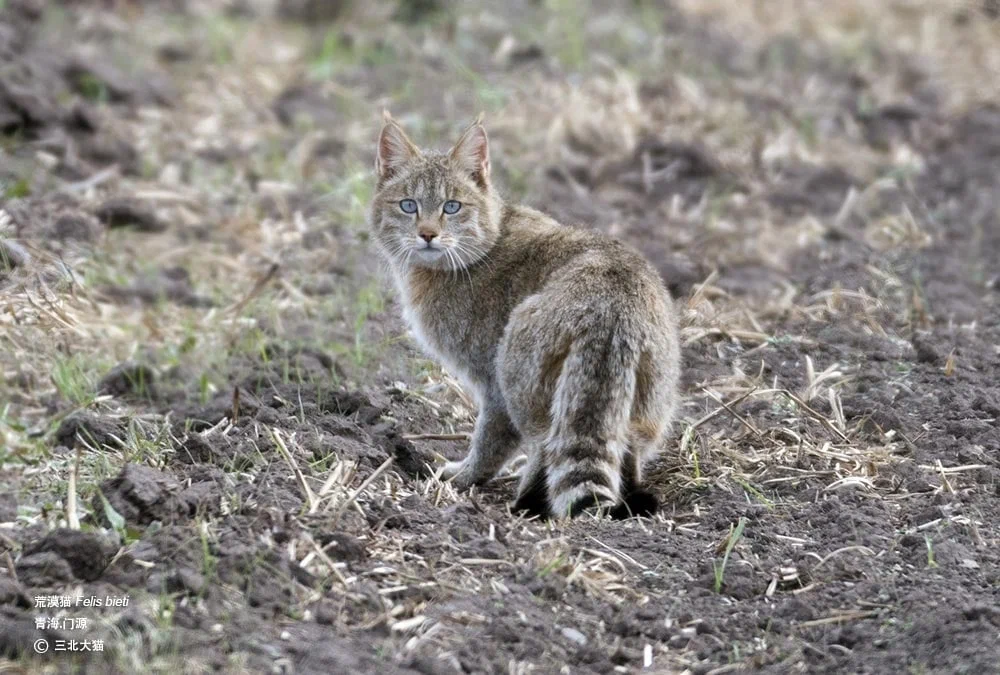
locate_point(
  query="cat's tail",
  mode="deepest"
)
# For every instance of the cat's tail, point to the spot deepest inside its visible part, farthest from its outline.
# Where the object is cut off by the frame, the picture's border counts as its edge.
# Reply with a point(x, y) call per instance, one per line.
point(588, 438)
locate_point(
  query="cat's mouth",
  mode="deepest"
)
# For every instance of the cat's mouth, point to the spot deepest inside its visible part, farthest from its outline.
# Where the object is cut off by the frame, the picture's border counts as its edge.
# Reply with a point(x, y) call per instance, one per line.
point(429, 252)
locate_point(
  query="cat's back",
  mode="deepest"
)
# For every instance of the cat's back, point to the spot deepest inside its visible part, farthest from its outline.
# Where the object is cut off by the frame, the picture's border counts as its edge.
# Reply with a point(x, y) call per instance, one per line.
point(537, 245)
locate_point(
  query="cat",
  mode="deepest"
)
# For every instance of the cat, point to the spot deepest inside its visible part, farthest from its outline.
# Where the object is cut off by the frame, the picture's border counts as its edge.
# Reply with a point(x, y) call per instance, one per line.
point(566, 338)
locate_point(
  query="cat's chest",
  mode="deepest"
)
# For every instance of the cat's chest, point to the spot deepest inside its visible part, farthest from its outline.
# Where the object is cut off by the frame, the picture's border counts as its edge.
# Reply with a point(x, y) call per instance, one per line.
point(435, 314)
point(444, 332)
point(429, 332)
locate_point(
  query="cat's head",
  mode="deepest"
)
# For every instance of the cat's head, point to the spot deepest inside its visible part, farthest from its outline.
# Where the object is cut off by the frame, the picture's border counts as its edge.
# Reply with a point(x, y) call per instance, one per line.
point(433, 209)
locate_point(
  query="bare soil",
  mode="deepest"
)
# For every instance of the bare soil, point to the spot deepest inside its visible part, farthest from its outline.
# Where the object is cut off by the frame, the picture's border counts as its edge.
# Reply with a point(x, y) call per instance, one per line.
point(209, 405)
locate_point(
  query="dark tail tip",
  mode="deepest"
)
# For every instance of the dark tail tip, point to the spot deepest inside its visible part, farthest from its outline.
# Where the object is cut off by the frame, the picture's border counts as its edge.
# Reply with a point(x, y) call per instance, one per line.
point(534, 500)
point(590, 502)
point(636, 503)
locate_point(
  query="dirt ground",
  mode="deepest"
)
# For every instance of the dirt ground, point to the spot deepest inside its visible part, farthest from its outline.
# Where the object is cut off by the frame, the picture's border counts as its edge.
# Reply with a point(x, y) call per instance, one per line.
point(209, 406)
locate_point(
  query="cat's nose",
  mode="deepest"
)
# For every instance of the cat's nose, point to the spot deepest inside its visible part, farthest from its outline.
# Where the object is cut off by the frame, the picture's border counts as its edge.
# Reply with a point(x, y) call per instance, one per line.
point(427, 234)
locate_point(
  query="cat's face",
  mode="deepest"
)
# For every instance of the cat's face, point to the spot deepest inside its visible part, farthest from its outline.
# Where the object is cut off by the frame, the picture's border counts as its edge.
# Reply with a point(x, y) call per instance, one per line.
point(433, 209)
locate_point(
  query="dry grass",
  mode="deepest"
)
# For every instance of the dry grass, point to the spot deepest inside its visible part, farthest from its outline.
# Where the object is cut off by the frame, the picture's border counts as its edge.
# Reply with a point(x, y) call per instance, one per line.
point(954, 40)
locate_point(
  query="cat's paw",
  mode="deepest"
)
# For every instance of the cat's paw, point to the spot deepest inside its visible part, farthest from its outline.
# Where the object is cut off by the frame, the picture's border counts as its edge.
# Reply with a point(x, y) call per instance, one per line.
point(451, 472)
point(459, 475)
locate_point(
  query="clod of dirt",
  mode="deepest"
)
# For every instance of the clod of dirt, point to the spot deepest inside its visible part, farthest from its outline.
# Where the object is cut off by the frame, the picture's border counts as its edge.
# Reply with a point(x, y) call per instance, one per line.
point(877, 348)
point(175, 52)
point(812, 189)
point(662, 168)
point(981, 610)
point(680, 273)
point(906, 477)
point(279, 204)
point(311, 11)
point(343, 546)
point(168, 285)
point(927, 351)
point(8, 507)
point(680, 159)
point(264, 575)
point(386, 513)
point(75, 226)
point(30, 10)
point(299, 364)
point(123, 211)
point(245, 404)
point(888, 123)
point(129, 379)
point(44, 569)
point(85, 73)
point(104, 149)
point(326, 612)
point(24, 110)
point(413, 11)
point(409, 459)
point(98, 432)
point(204, 473)
point(325, 284)
point(142, 495)
point(34, 217)
point(12, 593)
point(195, 449)
point(87, 554)
point(187, 581)
point(882, 417)
point(201, 498)
point(303, 102)
point(82, 117)
point(367, 406)
point(10, 120)
point(18, 634)
point(95, 145)
point(739, 581)
point(513, 54)
point(364, 451)
point(550, 587)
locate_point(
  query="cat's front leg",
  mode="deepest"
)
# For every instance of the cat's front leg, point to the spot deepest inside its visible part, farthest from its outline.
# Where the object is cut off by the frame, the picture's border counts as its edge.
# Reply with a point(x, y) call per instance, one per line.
point(493, 442)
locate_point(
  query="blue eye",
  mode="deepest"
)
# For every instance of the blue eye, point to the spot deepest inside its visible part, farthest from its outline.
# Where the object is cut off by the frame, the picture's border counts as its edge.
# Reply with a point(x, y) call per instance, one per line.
point(451, 207)
point(408, 206)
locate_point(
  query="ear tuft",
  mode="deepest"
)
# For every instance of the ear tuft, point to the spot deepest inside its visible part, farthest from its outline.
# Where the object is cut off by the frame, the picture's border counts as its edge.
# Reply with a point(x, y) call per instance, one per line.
point(472, 153)
point(394, 149)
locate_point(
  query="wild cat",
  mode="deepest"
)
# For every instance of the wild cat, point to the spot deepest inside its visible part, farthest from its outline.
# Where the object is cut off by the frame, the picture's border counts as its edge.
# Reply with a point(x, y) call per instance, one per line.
point(566, 338)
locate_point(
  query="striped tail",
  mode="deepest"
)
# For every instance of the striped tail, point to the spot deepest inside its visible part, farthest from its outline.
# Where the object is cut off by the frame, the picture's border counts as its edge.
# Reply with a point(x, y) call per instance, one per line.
point(588, 437)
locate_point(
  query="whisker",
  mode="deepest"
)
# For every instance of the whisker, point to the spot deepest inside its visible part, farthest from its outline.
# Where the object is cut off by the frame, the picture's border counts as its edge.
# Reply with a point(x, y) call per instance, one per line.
point(473, 247)
point(480, 255)
point(468, 275)
point(459, 250)
point(451, 264)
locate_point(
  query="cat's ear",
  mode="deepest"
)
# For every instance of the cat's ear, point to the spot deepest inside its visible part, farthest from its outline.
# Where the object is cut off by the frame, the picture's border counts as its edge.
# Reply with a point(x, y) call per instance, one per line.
point(394, 149)
point(472, 153)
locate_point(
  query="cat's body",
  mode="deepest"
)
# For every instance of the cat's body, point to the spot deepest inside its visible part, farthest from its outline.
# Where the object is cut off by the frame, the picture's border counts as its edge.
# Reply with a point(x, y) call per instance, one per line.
point(567, 338)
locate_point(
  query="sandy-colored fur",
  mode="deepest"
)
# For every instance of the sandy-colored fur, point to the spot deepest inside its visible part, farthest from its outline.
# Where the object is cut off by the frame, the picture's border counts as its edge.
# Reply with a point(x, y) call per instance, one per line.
point(566, 338)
